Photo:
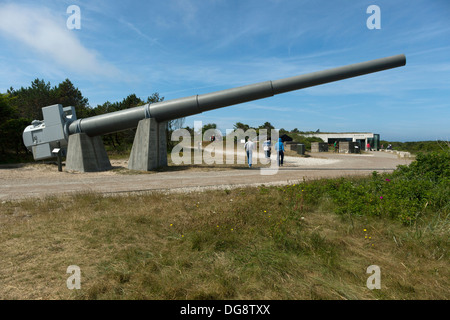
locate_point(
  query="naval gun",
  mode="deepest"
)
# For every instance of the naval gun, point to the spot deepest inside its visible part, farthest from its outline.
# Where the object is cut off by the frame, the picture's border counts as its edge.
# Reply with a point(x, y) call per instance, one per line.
point(80, 139)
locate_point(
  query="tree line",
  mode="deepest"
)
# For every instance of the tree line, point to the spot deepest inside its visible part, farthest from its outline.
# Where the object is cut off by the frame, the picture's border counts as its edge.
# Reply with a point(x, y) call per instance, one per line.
point(295, 134)
point(239, 125)
point(18, 107)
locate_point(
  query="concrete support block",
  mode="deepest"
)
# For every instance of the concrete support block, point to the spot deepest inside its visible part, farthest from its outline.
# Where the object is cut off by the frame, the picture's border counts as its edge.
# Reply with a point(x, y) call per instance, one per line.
point(319, 147)
point(348, 147)
point(149, 149)
point(301, 148)
point(344, 147)
point(294, 146)
point(86, 154)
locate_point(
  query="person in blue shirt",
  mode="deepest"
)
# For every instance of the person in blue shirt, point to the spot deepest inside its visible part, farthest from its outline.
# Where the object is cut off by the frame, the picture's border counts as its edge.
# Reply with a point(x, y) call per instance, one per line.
point(279, 147)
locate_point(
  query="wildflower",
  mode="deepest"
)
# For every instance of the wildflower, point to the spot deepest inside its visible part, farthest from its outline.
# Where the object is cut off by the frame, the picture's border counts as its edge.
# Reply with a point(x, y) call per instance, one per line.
point(171, 225)
point(365, 230)
point(387, 180)
point(381, 197)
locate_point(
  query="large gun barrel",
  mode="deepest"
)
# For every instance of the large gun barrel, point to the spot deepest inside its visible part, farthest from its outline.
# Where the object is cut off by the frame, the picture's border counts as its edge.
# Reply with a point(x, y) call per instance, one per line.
point(182, 107)
point(45, 137)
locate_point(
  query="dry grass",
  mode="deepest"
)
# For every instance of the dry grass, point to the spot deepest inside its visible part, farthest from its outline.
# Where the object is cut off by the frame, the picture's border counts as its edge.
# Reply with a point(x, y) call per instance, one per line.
point(234, 244)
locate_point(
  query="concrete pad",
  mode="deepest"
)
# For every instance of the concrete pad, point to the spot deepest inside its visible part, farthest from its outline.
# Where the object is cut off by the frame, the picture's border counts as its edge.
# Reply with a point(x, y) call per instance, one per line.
point(21, 181)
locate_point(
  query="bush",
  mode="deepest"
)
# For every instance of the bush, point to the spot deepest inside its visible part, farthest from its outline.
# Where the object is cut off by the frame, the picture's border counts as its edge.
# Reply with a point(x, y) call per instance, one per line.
point(421, 188)
point(434, 166)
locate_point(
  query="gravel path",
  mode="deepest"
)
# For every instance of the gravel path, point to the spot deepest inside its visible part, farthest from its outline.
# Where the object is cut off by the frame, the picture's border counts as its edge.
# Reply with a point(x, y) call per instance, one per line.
point(40, 180)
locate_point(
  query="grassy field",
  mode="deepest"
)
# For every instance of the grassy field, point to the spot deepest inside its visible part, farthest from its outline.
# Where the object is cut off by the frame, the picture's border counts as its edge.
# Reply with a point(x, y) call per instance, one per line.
point(249, 243)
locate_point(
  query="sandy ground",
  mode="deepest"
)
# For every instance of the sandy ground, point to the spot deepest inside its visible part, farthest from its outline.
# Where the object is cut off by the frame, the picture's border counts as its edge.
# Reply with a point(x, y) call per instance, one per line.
point(40, 180)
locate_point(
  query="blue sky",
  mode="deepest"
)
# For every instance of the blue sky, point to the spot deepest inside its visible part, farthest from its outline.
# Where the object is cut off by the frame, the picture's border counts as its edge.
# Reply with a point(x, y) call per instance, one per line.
point(185, 47)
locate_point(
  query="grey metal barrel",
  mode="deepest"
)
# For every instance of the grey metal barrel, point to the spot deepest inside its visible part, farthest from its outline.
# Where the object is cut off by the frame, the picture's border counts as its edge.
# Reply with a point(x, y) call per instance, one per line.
point(177, 108)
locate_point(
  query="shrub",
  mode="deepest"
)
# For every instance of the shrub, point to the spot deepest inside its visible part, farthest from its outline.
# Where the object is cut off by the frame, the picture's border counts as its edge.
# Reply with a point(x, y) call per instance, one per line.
point(434, 166)
point(421, 188)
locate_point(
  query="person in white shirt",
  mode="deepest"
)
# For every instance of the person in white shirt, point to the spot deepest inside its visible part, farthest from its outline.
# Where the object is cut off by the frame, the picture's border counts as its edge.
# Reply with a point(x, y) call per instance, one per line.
point(249, 146)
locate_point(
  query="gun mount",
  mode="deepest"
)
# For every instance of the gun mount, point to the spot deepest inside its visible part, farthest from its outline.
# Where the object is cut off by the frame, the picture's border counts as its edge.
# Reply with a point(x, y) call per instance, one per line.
point(60, 125)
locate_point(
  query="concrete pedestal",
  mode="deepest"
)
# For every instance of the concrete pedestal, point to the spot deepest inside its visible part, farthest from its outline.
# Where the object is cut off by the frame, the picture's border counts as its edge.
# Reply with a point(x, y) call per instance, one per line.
point(319, 147)
point(347, 147)
point(149, 147)
point(86, 154)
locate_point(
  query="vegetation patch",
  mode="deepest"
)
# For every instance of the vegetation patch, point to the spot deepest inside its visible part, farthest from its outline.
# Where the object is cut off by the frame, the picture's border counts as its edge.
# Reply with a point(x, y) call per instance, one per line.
point(313, 240)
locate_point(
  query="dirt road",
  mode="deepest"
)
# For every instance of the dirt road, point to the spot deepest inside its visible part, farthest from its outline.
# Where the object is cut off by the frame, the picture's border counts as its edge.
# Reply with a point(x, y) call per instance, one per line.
point(40, 180)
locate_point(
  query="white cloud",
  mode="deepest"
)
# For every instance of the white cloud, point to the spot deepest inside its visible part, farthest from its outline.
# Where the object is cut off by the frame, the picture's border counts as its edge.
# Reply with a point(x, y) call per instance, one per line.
point(47, 35)
point(253, 106)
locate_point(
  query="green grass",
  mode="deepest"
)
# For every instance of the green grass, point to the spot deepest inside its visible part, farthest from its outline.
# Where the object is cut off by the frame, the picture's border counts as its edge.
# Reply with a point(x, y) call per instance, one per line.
point(313, 240)
point(251, 243)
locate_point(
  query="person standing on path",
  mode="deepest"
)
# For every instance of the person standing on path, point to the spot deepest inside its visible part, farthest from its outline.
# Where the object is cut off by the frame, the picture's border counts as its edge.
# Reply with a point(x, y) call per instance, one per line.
point(279, 147)
point(267, 145)
point(249, 146)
